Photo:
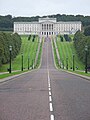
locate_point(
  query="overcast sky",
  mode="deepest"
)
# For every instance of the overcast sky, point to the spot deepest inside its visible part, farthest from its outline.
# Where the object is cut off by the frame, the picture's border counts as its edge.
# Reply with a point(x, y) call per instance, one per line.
point(44, 7)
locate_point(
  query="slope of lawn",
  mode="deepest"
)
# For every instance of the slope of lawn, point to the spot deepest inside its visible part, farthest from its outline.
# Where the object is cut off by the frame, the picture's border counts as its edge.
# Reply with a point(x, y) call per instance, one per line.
point(29, 49)
point(66, 50)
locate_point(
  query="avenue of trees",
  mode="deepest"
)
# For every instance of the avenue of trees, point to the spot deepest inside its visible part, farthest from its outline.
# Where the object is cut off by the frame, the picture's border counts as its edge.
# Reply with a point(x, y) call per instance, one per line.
point(6, 40)
point(6, 22)
point(80, 41)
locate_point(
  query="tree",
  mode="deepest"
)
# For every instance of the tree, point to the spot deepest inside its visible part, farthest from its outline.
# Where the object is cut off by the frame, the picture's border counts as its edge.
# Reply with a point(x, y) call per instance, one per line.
point(61, 38)
point(87, 31)
point(7, 39)
point(80, 41)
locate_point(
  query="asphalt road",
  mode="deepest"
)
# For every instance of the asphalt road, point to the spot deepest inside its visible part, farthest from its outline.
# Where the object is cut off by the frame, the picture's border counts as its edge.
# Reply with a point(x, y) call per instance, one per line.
point(45, 94)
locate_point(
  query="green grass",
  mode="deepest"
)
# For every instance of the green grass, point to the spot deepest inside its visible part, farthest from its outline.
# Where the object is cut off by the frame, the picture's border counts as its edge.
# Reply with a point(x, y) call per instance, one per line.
point(39, 56)
point(28, 48)
point(11, 74)
point(66, 49)
point(81, 73)
point(55, 55)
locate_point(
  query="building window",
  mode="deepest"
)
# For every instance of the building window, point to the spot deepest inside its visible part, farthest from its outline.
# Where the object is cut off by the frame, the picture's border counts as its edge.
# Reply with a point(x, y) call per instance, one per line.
point(47, 26)
point(42, 26)
point(52, 26)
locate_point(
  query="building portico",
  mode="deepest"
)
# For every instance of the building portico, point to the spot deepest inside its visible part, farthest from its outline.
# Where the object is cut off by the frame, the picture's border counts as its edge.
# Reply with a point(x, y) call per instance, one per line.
point(47, 28)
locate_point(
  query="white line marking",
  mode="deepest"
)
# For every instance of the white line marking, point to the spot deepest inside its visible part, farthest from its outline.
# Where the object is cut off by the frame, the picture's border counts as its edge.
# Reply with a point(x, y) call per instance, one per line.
point(49, 89)
point(51, 107)
point(48, 80)
point(52, 117)
point(50, 93)
point(49, 85)
point(50, 98)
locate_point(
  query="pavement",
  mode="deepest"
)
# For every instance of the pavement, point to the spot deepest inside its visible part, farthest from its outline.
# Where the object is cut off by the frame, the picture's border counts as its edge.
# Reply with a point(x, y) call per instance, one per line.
point(45, 94)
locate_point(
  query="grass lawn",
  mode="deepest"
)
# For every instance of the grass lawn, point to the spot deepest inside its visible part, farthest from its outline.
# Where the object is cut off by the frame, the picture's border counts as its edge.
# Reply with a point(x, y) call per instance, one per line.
point(11, 74)
point(83, 73)
point(40, 53)
point(66, 50)
point(28, 48)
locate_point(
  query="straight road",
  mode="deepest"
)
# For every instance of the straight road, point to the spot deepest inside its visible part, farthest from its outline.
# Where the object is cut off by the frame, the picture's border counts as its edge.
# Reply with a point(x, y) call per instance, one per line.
point(45, 94)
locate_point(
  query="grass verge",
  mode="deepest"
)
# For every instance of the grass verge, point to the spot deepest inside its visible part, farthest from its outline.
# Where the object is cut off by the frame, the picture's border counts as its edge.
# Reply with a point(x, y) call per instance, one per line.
point(63, 51)
point(29, 49)
point(66, 50)
point(11, 74)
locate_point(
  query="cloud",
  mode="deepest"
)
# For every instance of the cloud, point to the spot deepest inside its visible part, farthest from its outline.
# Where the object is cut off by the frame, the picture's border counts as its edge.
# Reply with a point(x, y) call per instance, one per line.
point(43, 7)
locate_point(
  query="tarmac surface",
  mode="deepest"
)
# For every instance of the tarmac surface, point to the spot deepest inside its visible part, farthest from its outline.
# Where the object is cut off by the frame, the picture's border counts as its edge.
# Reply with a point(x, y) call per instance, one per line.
point(45, 94)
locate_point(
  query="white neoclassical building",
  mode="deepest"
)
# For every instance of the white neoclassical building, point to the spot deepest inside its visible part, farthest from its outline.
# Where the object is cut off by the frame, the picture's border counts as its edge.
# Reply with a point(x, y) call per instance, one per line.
point(47, 27)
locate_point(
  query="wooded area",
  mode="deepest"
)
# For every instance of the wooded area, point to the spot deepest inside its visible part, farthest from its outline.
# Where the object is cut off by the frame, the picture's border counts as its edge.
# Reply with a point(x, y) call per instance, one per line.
point(6, 22)
point(6, 40)
point(80, 41)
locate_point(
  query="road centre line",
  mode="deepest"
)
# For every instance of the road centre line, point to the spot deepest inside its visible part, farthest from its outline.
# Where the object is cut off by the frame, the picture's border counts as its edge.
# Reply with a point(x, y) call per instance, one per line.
point(51, 107)
point(49, 89)
point(52, 117)
point(50, 93)
point(49, 85)
point(50, 99)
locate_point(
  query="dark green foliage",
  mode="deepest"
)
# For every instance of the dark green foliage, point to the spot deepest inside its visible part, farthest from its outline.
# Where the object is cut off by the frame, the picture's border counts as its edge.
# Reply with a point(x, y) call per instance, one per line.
point(6, 23)
point(87, 31)
point(61, 38)
point(29, 37)
point(34, 36)
point(80, 40)
point(67, 38)
point(7, 39)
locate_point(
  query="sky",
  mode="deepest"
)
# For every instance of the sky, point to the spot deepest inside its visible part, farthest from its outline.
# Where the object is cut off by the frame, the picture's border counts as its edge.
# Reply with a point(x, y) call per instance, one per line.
point(28, 8)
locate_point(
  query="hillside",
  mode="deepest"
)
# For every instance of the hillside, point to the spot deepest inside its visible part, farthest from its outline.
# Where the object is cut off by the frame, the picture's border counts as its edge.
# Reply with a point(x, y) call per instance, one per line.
point(66, 51)
point(29, 49)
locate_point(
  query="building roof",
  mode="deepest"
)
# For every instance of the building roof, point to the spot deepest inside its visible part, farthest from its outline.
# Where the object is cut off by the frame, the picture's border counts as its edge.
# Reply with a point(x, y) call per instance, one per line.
point(47, 19)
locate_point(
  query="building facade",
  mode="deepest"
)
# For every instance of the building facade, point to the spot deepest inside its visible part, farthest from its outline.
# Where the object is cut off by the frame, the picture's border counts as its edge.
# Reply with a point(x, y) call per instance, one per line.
point(47, 27)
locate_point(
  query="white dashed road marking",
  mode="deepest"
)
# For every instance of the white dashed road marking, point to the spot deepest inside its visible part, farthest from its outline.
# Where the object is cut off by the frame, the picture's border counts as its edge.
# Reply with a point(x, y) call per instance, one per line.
point(49, 85)
point(52, 117)
point(49, 89)
point(51, 107)
point(50, 97)
point(49, 93)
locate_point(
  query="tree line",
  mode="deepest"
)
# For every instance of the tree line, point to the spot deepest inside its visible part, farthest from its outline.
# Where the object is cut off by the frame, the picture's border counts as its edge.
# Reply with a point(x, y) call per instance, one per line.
point(6, 22)
point(6, 40)
point(81, 39)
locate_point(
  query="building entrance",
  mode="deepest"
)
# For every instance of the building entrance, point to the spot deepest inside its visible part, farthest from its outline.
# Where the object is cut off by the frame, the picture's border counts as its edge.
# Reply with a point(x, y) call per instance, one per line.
point(47, 34)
